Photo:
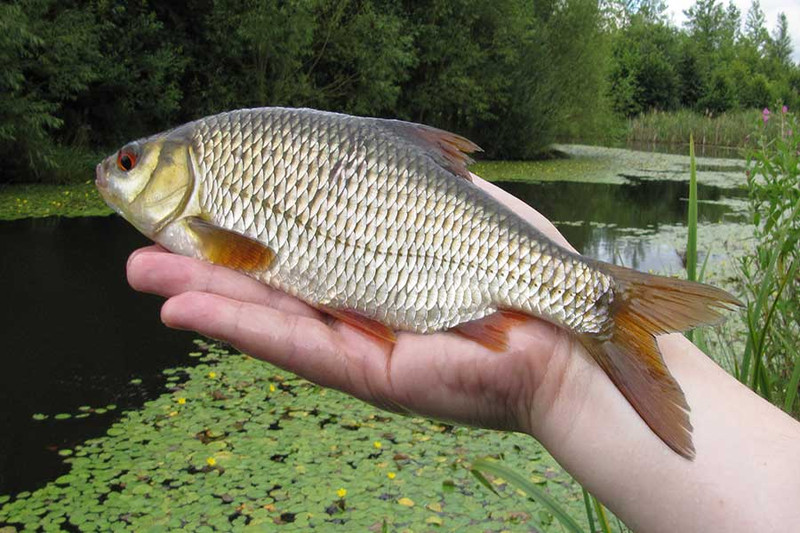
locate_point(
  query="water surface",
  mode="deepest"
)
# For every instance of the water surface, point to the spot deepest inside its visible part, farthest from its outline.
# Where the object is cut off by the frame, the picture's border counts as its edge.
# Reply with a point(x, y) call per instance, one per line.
point(74, 334)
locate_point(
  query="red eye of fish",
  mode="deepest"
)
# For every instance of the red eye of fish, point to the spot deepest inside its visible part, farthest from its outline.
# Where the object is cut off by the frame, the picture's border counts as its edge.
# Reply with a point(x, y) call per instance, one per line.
point(126, 160)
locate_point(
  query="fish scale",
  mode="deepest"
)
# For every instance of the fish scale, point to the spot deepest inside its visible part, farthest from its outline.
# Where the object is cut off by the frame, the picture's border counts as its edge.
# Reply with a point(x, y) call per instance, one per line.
point(388, 206)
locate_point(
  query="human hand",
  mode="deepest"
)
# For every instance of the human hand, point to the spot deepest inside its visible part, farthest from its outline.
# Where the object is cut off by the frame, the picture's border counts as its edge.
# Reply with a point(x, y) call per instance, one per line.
point(746, 473)
point(442, 375)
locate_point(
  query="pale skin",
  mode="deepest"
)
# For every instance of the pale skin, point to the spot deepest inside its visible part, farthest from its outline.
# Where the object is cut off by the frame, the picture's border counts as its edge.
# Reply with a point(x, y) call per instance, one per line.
point(746, 476)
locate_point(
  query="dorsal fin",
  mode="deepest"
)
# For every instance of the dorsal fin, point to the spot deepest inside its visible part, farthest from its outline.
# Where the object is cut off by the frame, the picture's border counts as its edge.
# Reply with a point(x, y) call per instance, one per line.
point(447, 149)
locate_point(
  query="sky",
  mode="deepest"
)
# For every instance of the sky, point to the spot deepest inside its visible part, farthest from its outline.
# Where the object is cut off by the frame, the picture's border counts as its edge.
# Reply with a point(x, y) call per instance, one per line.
point(771, 8)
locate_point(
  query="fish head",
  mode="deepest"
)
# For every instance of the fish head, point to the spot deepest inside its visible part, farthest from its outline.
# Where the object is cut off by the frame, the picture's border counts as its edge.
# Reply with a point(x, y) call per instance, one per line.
point(149, 181)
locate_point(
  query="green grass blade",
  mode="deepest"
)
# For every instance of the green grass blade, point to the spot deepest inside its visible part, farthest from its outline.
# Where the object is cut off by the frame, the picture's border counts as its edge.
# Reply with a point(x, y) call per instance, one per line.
point(794, 380)
point(756, 335)
point(605, 527)
point(691, 245)
point(589, 513)
point(702, 275)
point(759, 372)
point(535, 493)
point(483, 481)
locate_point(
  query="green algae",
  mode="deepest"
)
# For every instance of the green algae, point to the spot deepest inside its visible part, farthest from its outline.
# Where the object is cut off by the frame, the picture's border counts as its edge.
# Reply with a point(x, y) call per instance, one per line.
point(37, 200)
point(241, 445)
point(597, 164)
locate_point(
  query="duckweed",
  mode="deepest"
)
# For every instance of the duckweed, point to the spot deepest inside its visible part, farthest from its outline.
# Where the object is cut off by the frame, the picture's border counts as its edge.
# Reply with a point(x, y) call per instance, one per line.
point(256, 447)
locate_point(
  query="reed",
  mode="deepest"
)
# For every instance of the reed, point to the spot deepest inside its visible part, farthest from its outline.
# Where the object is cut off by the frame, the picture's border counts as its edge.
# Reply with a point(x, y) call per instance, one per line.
point(770, 277)
point(691, 245)
point(495, 468)
point(732, 129)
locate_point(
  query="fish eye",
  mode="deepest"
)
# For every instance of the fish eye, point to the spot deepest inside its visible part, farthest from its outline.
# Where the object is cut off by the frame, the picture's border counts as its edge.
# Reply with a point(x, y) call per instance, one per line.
point(126, 159)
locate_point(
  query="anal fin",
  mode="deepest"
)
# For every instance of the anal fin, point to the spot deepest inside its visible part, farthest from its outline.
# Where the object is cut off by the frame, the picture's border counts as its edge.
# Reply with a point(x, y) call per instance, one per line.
point(230, 249)
point(491, 331)
point(363, 323)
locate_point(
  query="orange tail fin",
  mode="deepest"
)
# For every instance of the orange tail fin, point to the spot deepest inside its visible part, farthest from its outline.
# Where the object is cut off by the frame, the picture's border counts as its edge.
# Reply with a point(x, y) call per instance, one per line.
point(645, 306)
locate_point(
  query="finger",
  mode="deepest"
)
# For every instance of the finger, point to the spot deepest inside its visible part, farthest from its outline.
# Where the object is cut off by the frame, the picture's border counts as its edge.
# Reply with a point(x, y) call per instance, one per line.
point(299, 344)
point(522, 209)
point(147, 249)
point(167, 274)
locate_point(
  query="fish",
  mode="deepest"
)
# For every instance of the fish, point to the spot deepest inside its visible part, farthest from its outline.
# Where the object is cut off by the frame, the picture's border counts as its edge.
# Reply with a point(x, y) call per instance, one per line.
point(378, 223)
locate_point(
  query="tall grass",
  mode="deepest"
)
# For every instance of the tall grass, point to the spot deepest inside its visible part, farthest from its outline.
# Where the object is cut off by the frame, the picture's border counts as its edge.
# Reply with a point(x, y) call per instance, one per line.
point(770, 277)
point(732, 129)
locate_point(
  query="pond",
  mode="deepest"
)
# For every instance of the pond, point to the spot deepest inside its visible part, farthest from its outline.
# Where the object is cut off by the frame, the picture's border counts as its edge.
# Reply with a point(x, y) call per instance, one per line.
point(76, 335)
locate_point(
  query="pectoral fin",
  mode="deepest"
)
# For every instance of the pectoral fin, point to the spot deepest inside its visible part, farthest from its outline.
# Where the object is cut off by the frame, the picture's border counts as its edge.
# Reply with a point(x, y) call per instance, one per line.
point(230, 249)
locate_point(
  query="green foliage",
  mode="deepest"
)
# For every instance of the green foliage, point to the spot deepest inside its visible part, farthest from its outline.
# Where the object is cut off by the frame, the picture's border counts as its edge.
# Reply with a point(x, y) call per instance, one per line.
point(710, 66)
point(26, 116)
point(237, 442)
point(780, 48)
point(644, 74)
point(771, 276)
point(86, 77)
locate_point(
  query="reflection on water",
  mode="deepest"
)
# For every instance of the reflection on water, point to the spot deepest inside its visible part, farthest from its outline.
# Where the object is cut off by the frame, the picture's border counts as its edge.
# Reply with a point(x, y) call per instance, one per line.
point(74, 334)
point(700, 150)
point(618, 223)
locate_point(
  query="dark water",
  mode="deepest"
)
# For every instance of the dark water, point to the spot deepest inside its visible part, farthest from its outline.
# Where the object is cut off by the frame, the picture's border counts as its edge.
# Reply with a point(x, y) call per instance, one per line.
point(75, 334)
point(595, 217)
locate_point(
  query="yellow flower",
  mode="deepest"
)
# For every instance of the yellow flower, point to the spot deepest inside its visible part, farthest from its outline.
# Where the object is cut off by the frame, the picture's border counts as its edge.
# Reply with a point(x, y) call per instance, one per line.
point(341, 493)
point(181, 400)
point(271, 387)
point(377, 444)
point(212, 375)
point(391, 475)
point(211, 461)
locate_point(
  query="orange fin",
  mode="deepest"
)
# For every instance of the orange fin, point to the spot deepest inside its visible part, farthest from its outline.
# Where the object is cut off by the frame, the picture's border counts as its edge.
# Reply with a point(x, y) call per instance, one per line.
point(228, 248)
point(491, 331)
point(666, 304)
point(644, 306)
point(365, 324)
point(630, 357)
point(447, 149)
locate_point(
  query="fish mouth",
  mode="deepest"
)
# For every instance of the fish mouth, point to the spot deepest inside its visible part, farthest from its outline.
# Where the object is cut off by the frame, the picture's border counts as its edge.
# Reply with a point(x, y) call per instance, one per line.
point(100, 180)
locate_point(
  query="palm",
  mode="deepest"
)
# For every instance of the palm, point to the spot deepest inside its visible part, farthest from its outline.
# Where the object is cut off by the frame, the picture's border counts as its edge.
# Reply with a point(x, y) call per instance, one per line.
point(440, 375)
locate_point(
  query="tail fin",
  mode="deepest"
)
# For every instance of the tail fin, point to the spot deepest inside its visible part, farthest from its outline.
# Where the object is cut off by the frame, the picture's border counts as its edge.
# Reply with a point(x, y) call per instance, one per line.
point(645, 306)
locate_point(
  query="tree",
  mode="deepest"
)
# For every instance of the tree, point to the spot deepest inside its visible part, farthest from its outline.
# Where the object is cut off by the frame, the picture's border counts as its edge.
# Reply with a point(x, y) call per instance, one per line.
point(644, 74)
point(781, 44)
point(755, 30)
